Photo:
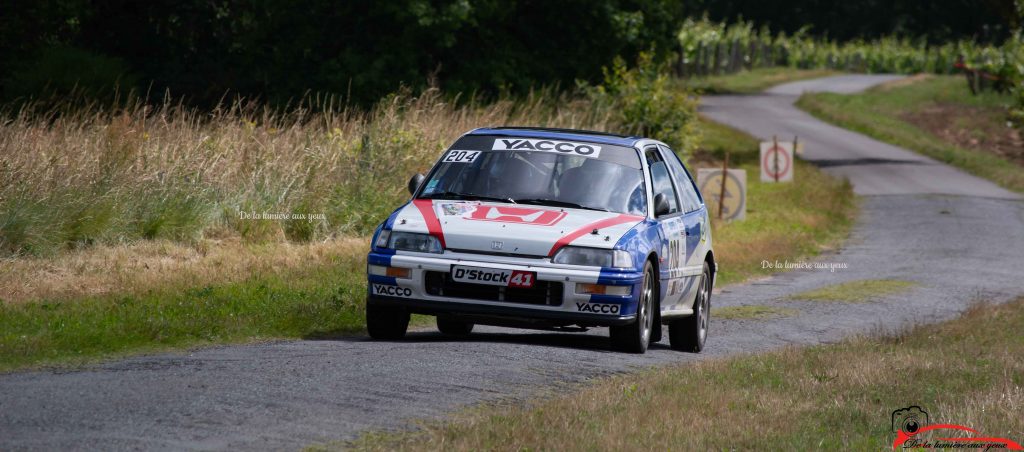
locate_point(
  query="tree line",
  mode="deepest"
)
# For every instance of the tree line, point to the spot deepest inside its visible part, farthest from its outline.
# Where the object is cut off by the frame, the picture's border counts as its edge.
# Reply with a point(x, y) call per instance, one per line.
point(204, 50)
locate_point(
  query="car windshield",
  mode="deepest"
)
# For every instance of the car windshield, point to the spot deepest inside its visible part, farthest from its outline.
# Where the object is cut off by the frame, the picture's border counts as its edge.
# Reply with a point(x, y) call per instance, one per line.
point(607, 180)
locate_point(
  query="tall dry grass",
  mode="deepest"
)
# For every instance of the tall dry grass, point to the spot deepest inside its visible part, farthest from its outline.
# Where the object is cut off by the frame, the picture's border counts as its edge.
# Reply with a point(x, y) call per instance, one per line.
point(72, 177)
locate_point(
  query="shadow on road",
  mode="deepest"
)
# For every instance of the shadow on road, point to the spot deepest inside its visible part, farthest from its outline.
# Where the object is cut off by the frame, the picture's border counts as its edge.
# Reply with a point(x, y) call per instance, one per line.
point(579, 341)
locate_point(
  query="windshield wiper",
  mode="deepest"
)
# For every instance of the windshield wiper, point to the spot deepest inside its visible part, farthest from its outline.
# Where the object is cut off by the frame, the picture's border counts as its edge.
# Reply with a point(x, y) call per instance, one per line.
point(557, 203)
point(466, 197)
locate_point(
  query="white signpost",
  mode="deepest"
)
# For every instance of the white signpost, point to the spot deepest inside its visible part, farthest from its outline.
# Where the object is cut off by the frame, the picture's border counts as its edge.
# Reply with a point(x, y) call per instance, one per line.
point(776, 161)
point(731, 206)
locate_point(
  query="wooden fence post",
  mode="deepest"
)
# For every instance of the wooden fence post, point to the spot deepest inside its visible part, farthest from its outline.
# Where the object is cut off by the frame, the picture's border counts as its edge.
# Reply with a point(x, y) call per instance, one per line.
point(721, 194)
point(775, 148)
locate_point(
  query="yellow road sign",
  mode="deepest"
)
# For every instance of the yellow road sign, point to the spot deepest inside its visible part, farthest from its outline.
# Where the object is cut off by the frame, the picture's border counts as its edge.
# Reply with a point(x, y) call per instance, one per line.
point(734, 205)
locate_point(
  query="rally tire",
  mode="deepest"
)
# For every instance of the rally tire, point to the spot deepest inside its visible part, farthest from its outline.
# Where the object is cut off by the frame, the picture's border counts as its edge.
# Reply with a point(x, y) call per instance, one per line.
point(690, 334)
point(635, 337)
point(386, 322)
point(453, 327)
point(656, 328)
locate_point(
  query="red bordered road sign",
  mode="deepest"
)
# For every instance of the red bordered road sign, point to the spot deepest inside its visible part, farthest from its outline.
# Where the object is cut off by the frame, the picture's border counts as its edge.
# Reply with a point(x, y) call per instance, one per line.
point(776, 161)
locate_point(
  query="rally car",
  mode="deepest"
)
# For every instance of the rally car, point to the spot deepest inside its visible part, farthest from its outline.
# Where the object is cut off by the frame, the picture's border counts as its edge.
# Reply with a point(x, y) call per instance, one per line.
point(551, 229)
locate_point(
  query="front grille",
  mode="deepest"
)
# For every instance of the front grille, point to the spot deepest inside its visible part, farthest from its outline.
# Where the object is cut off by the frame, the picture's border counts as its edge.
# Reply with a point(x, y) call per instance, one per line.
point(547, 293)
point(495, 253)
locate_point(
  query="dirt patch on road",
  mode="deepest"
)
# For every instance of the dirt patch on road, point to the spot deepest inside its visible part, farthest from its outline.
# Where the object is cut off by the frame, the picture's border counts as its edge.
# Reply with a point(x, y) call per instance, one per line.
point(975, 128)
point(752, 312)
point(856, 291)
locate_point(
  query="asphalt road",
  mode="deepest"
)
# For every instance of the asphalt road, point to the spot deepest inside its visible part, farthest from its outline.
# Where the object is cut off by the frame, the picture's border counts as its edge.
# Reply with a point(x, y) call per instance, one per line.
point(960, 238)
point(874, 168)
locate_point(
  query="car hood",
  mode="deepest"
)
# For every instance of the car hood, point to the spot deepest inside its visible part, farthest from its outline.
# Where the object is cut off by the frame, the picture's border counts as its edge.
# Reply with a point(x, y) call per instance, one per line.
point(512, 228)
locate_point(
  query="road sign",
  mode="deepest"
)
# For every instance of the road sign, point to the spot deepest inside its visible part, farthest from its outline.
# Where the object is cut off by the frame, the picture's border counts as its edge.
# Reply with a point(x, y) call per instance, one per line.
point(734, 204)
point(776, 161)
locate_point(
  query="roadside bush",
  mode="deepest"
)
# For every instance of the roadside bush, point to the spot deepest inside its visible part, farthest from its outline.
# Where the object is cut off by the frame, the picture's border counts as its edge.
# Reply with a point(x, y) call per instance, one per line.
point(648, 102)
point(708, 47)
point(1012, 70)
point(65, 70)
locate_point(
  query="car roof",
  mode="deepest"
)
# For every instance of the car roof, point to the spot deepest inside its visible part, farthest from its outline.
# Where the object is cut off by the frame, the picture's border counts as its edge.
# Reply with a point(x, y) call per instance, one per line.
point(560, 134)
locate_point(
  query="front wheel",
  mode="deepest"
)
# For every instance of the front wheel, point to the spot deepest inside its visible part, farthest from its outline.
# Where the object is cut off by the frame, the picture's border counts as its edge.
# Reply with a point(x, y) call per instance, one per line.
point(689, 334)
point(635, 337)
point(386, 322)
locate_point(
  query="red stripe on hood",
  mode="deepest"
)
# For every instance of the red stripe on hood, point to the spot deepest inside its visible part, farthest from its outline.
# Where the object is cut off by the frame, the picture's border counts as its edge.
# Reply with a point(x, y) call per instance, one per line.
point(426, 208)
point(586, 229)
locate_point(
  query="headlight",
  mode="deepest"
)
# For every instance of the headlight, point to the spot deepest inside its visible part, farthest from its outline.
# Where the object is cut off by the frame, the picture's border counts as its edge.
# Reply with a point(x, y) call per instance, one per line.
point(410, 241)
point(383, 238)
point(593, 257)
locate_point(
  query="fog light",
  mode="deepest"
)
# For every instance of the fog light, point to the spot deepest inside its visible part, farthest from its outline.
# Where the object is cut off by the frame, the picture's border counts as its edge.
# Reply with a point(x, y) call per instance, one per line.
point(601, 289)
point(394, 272)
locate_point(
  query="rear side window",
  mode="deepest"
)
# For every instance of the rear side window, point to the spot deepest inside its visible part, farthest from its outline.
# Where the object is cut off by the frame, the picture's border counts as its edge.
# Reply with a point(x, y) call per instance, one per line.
point(687, 189)
point(660, 179)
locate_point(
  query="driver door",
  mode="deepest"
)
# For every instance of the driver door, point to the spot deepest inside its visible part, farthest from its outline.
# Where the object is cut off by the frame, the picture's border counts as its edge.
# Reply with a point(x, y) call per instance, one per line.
point(671, 229)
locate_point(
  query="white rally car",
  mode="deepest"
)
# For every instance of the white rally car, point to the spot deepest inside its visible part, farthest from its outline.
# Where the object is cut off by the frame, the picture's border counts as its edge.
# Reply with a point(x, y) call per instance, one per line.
point(552, 229)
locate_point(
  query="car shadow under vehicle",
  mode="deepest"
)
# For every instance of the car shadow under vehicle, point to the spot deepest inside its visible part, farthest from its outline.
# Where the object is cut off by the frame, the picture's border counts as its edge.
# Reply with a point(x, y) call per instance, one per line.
point(594, 340)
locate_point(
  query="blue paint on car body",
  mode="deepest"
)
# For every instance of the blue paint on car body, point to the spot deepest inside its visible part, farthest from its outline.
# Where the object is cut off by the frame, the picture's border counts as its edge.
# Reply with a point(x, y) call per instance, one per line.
point(642, 241)
point(377, 279)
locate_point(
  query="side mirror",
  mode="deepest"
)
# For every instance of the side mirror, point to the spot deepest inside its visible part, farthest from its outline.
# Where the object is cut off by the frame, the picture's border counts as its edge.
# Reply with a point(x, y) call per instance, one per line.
point(415, 182)
point(660, 205)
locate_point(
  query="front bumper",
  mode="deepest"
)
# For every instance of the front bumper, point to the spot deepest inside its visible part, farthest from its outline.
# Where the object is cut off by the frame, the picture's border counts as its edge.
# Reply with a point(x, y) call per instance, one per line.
point(572, 309)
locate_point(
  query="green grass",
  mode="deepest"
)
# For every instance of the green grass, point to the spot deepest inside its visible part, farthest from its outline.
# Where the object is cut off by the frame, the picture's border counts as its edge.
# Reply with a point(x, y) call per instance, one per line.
point(754, 312)
point(856, 291)
point(833, 397)
point(310, 302)
point(752, 81)
point(880, 113)
point(718, 139)
point(787, 221)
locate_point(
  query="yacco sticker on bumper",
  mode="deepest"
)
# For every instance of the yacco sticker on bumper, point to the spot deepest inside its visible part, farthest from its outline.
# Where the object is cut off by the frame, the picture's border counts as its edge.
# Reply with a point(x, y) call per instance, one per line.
point(598, 308)
point(391, 291)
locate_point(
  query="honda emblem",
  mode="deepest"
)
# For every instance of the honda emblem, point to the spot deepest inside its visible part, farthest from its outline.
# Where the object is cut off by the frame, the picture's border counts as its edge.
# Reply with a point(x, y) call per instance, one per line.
point(496, 245)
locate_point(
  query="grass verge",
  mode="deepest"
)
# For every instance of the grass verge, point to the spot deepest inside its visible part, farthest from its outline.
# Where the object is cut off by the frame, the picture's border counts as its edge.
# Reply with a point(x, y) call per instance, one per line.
point(856, 291)
point(935, 116)
point(308, 301)
point(784, 221)
point(838, 396)
point(752, 312)
point(752, 81)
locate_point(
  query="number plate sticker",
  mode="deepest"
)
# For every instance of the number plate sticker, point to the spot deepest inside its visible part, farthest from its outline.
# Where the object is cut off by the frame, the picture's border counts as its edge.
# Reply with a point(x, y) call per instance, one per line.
point(494, 277)
point(456, 156)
